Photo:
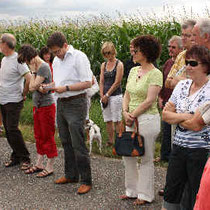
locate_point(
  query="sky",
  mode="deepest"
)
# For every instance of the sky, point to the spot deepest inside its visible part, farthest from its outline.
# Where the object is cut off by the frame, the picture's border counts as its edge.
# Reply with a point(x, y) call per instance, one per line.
point(57, 9)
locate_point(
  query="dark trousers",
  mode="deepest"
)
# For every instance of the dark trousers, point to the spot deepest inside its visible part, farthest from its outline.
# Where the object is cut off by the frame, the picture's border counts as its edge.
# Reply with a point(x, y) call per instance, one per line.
point(166, 141)
point(11, 115)
point(71, 119)
point(185, 166)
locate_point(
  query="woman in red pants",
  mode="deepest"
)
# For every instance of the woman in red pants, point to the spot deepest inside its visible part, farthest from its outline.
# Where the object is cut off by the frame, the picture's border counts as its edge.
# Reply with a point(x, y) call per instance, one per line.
point(43, 110)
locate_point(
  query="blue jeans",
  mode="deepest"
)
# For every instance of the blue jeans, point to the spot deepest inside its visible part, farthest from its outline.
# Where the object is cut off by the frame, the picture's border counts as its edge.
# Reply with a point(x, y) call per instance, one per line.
point(71, 118)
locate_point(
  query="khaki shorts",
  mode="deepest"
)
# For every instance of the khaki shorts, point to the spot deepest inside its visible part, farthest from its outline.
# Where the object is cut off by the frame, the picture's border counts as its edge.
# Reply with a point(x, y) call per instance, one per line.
point(205, 112)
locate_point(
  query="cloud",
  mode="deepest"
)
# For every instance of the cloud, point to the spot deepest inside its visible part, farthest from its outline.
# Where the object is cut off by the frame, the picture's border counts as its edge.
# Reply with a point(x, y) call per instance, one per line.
point(11, 9)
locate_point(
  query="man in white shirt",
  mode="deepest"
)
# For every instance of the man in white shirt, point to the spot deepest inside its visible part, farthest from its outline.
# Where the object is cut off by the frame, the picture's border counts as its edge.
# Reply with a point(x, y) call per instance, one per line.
point(72, 75)
point(12, 94)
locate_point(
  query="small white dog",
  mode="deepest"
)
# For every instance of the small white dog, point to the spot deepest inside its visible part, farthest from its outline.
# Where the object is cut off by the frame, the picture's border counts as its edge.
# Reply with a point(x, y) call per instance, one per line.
point(94, 133)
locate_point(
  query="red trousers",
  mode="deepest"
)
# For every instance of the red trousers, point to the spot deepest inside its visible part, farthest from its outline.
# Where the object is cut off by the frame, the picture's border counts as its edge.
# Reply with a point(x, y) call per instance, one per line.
point(44, 130)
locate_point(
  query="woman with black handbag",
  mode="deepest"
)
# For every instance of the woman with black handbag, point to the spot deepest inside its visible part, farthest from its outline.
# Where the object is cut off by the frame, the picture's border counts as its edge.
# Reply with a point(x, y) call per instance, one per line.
point(140, 101)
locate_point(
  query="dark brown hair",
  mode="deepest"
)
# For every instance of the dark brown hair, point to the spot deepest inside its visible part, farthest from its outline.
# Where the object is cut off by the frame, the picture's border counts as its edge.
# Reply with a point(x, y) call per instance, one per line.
point(149, 46)
point(56, 39)
point(201, 54)
point(44, 51)
point(26, 53)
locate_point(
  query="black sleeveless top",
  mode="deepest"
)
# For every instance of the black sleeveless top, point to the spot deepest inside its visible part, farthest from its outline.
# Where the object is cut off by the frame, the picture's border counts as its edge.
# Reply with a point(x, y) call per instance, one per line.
point(109, 78)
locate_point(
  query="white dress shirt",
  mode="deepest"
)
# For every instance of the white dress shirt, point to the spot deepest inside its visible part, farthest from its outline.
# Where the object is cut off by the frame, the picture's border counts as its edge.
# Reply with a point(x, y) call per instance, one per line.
point(74, 68)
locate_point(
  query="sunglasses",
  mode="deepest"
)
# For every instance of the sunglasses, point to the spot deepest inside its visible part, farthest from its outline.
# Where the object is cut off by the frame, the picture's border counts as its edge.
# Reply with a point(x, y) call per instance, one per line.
point(107, 53)
point(192, 63)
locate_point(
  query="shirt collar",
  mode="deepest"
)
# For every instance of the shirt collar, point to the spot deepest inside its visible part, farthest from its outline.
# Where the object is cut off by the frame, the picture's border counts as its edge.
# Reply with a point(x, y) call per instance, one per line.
point(69, 51)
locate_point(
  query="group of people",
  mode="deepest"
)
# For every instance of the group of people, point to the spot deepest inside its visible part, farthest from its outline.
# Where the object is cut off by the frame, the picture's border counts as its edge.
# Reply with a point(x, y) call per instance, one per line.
point(182, 91)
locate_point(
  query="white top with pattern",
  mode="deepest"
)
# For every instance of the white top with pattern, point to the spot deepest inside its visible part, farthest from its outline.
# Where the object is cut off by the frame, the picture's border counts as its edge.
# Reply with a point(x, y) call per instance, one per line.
point(185, 103)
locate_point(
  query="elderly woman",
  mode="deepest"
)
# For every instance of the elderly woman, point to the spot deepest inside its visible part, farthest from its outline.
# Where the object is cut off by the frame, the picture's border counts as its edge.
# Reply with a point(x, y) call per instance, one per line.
point(140, 101)
point(190, 148)
point(110, 89)
point(43, 110)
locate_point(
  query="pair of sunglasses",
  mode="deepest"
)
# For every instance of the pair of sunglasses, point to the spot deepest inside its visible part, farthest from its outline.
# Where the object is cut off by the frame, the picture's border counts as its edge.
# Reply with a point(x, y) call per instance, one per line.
point(107, 53)
point(192, 63)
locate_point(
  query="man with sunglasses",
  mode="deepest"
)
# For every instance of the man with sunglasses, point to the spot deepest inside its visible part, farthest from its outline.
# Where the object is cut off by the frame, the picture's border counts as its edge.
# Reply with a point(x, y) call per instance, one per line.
point(72, 75)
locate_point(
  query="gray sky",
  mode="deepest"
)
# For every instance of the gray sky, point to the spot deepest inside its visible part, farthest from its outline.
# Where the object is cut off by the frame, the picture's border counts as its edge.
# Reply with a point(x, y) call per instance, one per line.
point(55, 9)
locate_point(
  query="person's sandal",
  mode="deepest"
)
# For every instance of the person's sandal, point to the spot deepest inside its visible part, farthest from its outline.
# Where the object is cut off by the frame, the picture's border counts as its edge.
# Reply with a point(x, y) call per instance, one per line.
point(140, 202)
point(44, 173)
point(33, 169)
point(125, 197)
point(25, 166)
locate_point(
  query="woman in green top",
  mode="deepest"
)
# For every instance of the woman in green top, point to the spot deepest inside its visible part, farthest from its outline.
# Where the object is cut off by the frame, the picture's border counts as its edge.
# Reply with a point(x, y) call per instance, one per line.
point(140, 101)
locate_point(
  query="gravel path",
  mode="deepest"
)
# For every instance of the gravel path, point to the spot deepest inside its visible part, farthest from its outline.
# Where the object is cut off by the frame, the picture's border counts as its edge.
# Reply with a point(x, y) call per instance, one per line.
point(20, 191)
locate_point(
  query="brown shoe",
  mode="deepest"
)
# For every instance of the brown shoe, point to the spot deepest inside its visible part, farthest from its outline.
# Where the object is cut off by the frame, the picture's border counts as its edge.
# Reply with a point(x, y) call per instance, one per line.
point(64, 180)
point(84, 189)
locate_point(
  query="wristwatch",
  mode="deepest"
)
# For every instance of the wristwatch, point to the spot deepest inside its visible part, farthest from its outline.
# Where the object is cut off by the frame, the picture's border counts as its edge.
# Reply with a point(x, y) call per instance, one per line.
point(67, 88)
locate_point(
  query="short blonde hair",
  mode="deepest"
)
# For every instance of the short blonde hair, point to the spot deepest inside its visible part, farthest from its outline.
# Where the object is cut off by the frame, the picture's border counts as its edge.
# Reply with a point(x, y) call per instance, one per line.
point(108, 46)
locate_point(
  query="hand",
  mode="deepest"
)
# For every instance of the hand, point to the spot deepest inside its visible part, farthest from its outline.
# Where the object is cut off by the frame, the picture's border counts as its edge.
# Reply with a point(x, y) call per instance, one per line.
point(42, 90)
point(170, 107)
point(60, 89)
point(129, 119)
point(49, 86)
point(104, 99)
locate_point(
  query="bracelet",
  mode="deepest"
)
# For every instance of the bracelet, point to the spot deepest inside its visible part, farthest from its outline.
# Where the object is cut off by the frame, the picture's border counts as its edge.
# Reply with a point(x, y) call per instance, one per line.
point(107, 95)
point(67, 88)
point(33, 72)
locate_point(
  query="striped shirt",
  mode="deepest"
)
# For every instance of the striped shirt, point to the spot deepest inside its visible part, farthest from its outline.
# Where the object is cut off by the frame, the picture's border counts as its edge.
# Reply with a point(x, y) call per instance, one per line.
point(185, 103)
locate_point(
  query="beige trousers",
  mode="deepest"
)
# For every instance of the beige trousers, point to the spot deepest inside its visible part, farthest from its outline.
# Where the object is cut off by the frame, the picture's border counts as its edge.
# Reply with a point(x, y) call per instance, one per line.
point(139, 178)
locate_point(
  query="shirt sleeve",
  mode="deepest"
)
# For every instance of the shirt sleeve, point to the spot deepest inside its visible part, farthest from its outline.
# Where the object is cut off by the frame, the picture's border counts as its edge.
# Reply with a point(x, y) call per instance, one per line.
point(22, 69)
point(83, 68)
point(156, 78)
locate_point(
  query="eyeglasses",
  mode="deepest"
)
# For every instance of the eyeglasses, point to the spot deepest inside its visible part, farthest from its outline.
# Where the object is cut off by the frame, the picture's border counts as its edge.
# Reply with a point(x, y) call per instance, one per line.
point(107, 53)
point(173, 47)
point(56, 51)
point(192, 63)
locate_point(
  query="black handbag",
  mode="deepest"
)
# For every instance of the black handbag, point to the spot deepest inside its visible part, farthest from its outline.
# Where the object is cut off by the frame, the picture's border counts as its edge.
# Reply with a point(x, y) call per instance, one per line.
point(129, 143)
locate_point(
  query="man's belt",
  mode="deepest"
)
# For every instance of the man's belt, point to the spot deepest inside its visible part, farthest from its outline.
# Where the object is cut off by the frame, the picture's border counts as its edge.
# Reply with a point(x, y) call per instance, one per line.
point(82, 95)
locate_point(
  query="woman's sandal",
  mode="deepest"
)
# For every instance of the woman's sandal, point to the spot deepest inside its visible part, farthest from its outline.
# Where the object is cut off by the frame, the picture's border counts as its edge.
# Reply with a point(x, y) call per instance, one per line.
point(44, 173)
point(125, 197)
point(33, 169)
point(25, 166)
point(139, 202)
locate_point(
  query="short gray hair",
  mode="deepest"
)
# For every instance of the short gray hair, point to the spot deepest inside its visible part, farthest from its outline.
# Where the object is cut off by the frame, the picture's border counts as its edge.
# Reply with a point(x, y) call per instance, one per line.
point(188, 23)
point(176, 39)
point(9, 39)
point(204, 26)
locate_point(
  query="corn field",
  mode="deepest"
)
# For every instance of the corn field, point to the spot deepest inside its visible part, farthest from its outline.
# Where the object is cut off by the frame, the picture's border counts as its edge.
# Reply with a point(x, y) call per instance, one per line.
point(89, 36)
